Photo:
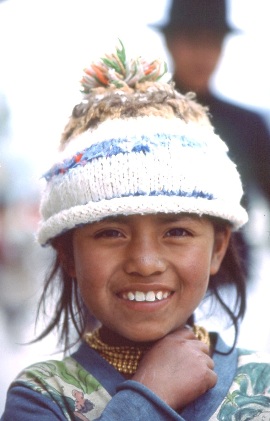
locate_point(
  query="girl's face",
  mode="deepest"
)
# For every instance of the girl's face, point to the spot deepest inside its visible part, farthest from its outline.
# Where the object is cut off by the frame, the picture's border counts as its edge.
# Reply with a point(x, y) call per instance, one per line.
point(142, 276)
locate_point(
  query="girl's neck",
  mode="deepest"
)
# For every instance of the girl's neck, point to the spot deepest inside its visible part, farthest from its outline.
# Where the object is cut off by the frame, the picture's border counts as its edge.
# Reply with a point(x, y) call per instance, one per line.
point(113, 339)
point(123, 354)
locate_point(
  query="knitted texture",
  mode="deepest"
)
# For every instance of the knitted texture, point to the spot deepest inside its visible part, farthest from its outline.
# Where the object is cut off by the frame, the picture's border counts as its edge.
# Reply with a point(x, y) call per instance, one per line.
point(138, 150)
point(140, 166)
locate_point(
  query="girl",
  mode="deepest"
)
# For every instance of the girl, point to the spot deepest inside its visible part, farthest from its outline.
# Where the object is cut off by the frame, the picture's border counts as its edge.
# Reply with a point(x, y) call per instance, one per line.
point(140, 209)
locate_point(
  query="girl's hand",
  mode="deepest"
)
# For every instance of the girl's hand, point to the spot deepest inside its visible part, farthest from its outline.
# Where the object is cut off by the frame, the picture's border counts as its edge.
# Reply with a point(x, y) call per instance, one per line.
point(178, 369)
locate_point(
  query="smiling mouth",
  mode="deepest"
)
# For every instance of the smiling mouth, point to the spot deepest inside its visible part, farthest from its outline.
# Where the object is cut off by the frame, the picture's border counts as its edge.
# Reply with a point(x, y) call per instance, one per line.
point(150, 296)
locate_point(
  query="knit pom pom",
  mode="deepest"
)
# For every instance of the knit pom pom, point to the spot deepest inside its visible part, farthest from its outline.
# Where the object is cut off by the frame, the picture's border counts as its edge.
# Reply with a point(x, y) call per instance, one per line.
point(114, 70)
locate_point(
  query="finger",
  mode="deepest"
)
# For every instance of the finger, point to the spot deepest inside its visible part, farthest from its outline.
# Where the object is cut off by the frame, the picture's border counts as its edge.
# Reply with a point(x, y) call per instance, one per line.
point(204, 347)
point(210, 362)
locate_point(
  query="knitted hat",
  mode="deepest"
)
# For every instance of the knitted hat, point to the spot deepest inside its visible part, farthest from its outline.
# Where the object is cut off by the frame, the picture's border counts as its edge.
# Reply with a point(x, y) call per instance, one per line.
point(136, 146)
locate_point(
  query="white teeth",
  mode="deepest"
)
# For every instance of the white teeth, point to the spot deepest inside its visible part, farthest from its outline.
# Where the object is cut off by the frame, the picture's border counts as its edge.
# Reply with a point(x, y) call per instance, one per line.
point(139, 296)
point(149, 296)
point(130, 296)
point(159, 295)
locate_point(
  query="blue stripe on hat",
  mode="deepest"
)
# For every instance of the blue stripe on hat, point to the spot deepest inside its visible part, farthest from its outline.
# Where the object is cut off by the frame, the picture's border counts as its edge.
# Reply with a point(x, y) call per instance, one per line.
point(113, 147)
point(180, 193)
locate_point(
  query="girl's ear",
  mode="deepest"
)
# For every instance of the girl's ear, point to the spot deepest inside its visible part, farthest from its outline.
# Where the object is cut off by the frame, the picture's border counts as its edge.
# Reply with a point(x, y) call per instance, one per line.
point(221, 243)
point(64, 251)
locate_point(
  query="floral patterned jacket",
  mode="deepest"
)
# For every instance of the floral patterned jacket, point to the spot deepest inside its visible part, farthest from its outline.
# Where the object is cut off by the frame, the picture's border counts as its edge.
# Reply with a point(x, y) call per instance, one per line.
point(85, 387)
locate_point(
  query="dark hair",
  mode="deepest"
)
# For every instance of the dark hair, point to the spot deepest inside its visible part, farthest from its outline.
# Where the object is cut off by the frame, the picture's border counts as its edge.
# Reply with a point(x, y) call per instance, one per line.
point(70, 311)
point(232, 274)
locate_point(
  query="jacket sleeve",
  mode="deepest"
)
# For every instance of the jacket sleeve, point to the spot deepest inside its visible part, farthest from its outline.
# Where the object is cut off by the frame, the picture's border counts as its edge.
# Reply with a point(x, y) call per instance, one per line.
point(24, 404)
point(133, 401)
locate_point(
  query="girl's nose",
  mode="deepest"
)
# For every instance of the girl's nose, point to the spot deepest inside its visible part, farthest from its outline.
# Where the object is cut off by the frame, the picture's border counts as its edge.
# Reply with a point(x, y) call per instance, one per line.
point(144, 260)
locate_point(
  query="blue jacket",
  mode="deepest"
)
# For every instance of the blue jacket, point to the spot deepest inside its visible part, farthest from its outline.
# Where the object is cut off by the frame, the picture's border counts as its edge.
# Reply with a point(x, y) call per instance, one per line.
point(85, 387)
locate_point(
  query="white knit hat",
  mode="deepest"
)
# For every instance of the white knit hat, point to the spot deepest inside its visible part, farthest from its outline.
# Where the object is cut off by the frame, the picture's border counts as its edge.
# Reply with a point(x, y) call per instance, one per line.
point(140, 165)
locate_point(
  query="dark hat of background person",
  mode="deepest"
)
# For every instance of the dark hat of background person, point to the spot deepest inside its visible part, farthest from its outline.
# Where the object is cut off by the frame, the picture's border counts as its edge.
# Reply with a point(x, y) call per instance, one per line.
point(193, 15)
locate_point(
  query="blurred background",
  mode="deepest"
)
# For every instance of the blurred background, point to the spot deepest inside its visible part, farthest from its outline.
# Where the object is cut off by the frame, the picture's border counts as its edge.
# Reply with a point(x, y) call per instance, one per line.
point(44, 45)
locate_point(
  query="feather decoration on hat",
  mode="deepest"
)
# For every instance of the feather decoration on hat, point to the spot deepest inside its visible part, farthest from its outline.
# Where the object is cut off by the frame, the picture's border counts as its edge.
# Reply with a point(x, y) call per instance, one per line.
point(116, 71)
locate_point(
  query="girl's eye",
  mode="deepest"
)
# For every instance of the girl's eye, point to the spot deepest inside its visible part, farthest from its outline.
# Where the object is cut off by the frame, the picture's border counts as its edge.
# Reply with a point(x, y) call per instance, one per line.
point(108, 233)
point(177, 232)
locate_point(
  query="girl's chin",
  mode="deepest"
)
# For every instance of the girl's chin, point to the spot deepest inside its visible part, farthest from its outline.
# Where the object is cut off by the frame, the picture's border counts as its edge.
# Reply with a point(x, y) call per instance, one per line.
point(113, 338)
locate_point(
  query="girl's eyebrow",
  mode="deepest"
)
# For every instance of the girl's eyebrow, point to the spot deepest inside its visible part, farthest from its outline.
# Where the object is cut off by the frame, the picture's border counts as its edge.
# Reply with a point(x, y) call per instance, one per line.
point(122, 219)
point(167, 218)
point(162, 217)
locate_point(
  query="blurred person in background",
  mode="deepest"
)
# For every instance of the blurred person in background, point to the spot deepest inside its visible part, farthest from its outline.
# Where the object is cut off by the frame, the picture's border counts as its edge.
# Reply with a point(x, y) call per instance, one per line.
point(195, 33)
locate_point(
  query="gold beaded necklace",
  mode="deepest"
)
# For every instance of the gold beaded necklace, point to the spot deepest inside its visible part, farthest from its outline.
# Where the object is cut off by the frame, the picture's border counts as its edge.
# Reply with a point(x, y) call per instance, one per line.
point(126, 359)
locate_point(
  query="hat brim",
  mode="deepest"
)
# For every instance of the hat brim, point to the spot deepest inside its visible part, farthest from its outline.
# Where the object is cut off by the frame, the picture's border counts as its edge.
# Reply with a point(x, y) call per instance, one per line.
point(166, 29)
